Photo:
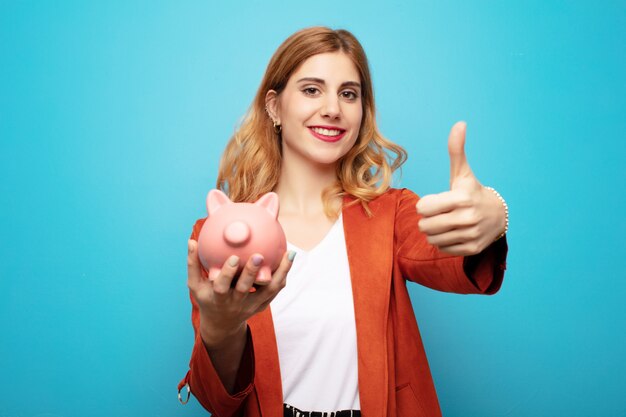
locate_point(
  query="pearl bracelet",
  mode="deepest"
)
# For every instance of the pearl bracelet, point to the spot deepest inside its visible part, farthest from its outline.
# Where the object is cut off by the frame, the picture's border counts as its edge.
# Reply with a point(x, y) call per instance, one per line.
point(506, 212)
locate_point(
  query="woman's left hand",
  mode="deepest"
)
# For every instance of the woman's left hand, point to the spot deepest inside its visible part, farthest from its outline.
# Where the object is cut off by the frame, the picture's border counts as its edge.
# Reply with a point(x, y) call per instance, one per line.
point(469, 217)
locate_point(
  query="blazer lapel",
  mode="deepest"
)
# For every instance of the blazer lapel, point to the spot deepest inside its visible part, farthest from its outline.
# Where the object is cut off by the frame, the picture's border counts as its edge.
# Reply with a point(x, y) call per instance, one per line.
point(267, 378)
point(369, 242)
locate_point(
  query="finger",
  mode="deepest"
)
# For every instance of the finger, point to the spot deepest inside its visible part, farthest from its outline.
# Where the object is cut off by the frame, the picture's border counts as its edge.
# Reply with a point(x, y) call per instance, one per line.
point(194, 268)
point(459, 167)
point(247, 277)
point(221, 285)
point(441, 223)
point(455, 237)
point(463, 249)
point(433, 204)
point(266, 303)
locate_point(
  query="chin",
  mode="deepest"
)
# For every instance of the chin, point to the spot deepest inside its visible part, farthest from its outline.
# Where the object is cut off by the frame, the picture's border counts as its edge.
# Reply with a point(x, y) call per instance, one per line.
point(325, 161)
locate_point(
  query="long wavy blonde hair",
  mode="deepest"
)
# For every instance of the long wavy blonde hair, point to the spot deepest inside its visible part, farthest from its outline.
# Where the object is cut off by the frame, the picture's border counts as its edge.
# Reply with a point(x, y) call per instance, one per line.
point(251, 163)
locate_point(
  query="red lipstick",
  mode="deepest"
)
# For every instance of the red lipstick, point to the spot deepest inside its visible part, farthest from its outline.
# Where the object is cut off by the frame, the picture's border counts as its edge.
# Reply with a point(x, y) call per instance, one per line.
point(327, 138)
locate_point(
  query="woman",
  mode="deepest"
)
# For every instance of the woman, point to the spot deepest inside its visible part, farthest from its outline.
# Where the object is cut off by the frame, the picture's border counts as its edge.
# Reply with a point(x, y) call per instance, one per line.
point(341, 336)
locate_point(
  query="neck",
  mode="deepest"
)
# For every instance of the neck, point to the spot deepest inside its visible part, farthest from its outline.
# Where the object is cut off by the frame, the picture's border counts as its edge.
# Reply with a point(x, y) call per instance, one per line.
point(301, 185)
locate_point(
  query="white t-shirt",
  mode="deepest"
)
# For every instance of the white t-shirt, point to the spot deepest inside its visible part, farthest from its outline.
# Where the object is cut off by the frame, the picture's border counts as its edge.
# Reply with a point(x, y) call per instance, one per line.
point(315, 328)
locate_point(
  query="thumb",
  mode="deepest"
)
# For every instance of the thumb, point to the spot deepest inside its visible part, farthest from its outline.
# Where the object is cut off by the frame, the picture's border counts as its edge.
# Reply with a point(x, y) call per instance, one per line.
point(459, 167)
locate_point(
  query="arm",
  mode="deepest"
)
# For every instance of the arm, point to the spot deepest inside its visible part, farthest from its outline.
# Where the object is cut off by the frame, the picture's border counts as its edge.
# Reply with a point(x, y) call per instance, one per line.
point(421, 262)
point(222, 362)
point(220, 393)
point(469, 220)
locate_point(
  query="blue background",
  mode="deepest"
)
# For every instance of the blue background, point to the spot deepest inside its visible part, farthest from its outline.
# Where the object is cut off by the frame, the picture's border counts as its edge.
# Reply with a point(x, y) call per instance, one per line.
point(113, 116)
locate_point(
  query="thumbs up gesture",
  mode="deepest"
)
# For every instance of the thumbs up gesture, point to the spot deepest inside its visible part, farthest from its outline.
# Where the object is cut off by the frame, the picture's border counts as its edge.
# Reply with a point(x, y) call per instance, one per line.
point(469, 217)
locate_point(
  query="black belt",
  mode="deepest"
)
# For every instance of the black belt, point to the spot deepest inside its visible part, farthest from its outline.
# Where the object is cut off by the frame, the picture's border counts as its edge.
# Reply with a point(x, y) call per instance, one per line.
point(290, 411)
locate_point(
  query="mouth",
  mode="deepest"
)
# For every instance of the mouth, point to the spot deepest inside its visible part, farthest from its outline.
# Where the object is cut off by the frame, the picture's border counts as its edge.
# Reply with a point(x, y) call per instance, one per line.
point(327, 133)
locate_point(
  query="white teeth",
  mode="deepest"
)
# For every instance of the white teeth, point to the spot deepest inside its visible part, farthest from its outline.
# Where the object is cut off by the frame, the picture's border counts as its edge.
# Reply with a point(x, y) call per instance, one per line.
point(326, 132)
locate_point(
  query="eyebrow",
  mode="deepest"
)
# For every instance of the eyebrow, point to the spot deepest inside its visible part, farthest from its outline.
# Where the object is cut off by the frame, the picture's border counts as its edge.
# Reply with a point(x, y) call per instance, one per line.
point(320, 81)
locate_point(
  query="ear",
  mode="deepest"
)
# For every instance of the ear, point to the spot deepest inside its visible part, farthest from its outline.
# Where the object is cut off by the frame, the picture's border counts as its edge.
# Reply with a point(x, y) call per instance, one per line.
point(215, 200)
point(270, 203)
point(271, 105)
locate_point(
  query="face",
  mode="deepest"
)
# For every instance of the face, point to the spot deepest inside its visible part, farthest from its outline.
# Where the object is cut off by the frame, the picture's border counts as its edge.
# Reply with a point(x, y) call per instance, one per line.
point(320, 109)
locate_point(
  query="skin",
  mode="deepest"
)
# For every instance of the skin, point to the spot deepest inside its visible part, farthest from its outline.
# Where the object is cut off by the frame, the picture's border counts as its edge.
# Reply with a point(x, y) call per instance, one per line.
point(225, 310)
point(467, 218)
point(325, 91)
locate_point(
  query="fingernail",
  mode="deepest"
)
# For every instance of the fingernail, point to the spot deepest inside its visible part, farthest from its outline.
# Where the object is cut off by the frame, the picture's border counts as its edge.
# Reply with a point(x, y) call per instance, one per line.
point(257, 260)
point(291, 255)
point(233, 260)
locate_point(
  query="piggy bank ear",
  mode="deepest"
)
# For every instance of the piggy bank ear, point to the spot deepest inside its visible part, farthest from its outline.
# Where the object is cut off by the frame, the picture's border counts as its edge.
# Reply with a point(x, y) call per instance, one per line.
point(215, 200)
point(270, 203)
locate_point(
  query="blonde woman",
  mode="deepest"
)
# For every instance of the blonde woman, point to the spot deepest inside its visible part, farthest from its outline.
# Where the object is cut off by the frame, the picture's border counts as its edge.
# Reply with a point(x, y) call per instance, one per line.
point(334, 331)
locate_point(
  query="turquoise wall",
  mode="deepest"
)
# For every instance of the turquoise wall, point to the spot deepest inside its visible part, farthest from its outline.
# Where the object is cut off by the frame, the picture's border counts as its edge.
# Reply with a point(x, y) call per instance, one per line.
point(112, 119)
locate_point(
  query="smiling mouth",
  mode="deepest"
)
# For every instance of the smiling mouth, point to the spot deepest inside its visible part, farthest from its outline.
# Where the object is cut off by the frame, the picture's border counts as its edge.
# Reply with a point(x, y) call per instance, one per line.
point(327, 134)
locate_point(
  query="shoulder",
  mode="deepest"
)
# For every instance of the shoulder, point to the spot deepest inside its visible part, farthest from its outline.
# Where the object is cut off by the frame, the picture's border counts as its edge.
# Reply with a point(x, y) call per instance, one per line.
point(396, 197)
point(397, 193)
point(390, 194)
point(390, 201)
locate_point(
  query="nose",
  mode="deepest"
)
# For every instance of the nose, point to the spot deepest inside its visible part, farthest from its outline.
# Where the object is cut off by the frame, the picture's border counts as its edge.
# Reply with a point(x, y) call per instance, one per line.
point(331, 108)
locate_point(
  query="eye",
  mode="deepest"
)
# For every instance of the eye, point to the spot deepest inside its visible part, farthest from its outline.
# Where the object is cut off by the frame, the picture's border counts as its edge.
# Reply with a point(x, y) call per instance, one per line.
point(311, 91)
point(349, 95)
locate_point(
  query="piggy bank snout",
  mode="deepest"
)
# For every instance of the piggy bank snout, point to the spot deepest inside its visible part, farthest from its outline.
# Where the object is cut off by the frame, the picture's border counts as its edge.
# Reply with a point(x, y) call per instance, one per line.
point(237, 233)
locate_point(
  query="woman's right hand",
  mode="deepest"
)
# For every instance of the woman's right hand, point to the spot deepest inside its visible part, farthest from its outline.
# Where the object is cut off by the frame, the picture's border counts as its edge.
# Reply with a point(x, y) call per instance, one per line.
point(225, 308)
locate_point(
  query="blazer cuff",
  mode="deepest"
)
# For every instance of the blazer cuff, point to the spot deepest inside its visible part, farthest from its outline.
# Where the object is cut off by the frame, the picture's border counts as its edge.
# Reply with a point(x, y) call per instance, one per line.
point(486, 269)
point(207, 386)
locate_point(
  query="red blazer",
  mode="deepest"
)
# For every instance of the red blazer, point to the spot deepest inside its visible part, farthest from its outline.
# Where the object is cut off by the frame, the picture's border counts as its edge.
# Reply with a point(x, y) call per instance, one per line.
point(394, 378)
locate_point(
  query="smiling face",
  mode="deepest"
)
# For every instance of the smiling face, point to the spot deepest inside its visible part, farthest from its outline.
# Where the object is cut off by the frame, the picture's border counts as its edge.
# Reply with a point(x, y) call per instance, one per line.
point(320, 109)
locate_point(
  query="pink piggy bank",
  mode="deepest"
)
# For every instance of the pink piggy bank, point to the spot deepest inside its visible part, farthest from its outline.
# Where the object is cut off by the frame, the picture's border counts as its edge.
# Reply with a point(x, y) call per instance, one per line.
point(241, 229)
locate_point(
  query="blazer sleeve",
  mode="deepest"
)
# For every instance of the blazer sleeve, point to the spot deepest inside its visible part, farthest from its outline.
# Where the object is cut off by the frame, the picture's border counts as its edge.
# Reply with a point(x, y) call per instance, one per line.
point(421, 262)
point(202, 377)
